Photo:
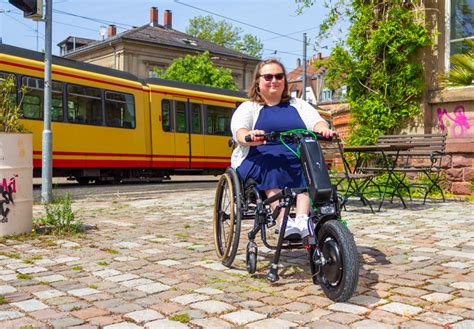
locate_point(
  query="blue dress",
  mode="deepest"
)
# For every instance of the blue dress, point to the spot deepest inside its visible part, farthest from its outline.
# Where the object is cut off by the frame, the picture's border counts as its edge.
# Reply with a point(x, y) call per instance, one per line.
point(273, 165)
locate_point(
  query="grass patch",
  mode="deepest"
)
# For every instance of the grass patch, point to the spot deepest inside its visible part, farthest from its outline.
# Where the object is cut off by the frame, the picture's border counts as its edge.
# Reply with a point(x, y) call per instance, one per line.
point(102, 263)
point(77, 268)
point(181, 235)
point(110, 251)
point(10, 254)
point(3, 300)
point(32, 259)
point(183, 318)
point(21, 276)
point(93, 286)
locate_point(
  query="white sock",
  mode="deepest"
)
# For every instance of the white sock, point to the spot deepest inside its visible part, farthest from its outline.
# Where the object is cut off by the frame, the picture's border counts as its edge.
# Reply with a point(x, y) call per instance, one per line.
point(301, 217)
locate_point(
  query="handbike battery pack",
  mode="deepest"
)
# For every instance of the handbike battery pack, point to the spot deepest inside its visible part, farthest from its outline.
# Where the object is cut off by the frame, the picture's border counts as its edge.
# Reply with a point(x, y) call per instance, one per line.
point(315, 171)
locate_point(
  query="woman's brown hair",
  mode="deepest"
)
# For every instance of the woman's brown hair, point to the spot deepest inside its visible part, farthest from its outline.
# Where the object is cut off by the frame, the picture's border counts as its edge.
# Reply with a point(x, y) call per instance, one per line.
point(253, 92)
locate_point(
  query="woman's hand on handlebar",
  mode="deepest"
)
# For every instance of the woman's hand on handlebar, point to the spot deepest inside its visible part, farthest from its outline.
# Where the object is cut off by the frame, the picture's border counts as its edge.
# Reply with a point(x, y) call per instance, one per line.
point(325, 131)
point(251, 137)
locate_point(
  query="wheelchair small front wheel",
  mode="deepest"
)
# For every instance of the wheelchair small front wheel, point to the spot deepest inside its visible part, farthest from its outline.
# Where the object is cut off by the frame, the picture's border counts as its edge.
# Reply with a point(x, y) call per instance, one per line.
point(251, 257)
point(227, 217)
point(339, 274)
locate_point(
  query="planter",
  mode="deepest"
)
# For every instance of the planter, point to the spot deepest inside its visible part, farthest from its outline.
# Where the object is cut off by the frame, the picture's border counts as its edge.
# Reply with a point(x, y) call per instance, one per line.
point(16, 183)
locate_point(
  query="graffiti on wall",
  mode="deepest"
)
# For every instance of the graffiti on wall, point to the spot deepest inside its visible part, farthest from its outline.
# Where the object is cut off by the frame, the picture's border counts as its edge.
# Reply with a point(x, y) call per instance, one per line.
point(460, 122)
point(7, 188)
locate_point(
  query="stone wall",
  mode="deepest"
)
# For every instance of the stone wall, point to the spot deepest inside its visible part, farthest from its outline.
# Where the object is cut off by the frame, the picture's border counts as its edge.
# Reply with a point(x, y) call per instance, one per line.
point(452, 111)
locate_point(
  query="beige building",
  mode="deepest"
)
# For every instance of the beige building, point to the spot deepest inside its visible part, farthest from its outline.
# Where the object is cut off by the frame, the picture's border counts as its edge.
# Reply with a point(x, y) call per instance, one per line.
point(142, 49)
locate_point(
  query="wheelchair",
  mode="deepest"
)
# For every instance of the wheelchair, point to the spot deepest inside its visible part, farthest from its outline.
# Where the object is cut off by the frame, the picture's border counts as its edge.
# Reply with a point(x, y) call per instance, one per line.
point(332, 253)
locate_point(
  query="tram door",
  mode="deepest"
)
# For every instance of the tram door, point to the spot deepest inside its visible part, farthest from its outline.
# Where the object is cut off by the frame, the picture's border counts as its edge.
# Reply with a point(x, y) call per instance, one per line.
point(189, 138)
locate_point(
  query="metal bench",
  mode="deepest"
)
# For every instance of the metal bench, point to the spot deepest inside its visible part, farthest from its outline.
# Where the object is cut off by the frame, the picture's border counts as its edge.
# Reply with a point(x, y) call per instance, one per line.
point(424, 156)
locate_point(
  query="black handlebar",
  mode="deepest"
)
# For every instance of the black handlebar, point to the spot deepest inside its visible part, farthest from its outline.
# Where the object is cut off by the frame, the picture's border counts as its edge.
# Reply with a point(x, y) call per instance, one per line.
point(274, 135)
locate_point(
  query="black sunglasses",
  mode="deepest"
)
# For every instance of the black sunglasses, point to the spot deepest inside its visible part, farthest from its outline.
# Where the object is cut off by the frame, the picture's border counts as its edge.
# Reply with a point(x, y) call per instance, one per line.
point(269, 77)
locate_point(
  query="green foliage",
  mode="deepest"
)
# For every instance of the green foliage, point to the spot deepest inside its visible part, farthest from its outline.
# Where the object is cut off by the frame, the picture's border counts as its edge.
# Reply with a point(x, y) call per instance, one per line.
point(60, 217)
point(462, 71)
point(378, 64)
point(9, 110)
point(199, 69)
point(183, 318)
point(225, 34)
point(21, 276)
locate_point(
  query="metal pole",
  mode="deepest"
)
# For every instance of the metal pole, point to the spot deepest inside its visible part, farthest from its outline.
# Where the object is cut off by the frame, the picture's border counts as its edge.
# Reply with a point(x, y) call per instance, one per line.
point(46, 169)
point(303, 91)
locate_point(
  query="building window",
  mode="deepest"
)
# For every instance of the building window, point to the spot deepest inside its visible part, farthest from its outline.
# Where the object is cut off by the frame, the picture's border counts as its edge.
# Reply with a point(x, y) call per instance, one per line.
point(461, 25)
point(294, 93)
point(326, 95)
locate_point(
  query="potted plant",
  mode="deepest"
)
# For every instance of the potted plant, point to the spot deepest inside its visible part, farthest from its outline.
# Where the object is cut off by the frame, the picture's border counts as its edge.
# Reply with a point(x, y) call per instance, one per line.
point(16, 163)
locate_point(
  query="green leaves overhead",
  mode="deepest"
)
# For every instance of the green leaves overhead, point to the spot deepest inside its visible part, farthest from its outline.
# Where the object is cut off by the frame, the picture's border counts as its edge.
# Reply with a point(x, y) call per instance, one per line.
point(378, 63)
point(224, 34)
point(200, 70)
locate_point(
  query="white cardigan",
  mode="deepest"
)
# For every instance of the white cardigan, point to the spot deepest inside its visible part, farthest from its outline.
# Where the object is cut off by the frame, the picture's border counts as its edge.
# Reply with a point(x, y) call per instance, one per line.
point(246, 116)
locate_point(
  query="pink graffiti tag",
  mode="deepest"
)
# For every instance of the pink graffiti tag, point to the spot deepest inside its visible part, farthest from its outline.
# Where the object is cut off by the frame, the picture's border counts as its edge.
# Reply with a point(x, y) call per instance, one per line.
point(11, 183)
point(460, 121)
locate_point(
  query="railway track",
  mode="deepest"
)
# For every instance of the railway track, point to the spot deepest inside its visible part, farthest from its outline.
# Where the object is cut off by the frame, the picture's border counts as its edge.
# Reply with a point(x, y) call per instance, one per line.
point(138, 190)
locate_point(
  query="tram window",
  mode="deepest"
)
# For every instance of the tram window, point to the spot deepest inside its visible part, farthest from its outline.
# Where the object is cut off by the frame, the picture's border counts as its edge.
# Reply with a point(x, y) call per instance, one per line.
point(166, 114)
point(181, 122)
point(196, 118)
point(12, 93)
point(218, 120)
point(119, 110)
point(84, 105)
point(32, 105)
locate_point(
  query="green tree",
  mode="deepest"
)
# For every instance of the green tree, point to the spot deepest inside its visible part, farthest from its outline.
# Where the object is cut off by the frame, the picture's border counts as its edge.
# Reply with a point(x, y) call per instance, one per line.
point(377, 62)
point(10, 112)
point(198, 69)
point(224, 34)
point(462, 71)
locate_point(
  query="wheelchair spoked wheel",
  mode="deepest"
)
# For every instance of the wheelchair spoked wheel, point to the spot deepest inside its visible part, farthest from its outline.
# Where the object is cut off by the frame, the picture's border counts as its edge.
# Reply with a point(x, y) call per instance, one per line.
point(339, 276)
point(227, 217)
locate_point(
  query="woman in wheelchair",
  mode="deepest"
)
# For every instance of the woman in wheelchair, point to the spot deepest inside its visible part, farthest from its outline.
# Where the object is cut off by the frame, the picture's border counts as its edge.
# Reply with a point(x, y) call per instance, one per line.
point(278, 153)
point(272, 165)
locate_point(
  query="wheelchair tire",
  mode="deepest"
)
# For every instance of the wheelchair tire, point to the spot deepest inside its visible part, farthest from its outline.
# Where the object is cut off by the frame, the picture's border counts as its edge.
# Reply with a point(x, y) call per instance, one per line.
point(340, 276)
point(251, 257)
point(227, 217)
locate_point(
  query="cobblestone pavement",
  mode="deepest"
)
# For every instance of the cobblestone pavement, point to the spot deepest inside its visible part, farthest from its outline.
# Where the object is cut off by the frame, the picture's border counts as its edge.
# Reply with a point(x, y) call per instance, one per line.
point(151, 263)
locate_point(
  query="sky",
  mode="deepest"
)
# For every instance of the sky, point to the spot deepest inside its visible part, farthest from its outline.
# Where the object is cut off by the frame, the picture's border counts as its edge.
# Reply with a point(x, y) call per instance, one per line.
point(275, 22)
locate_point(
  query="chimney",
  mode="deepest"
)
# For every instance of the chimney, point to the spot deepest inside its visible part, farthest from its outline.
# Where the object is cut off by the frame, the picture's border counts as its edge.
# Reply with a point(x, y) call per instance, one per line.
point(298, 62)
point(168, 19)
point(320, 57)
point(153, 16)
point(112, 30)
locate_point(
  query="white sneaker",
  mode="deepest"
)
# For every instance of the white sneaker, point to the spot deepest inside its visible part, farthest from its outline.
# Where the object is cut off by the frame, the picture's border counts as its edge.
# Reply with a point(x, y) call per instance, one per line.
point(292, 231)
point(301, 222)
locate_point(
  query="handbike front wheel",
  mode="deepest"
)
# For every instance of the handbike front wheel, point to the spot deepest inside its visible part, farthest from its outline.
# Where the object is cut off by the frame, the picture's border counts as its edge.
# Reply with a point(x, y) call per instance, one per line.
point(227, 218)
point(340, 274)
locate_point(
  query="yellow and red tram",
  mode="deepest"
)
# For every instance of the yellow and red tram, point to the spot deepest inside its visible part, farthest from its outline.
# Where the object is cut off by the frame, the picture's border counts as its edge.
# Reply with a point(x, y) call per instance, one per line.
point(110, 125)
